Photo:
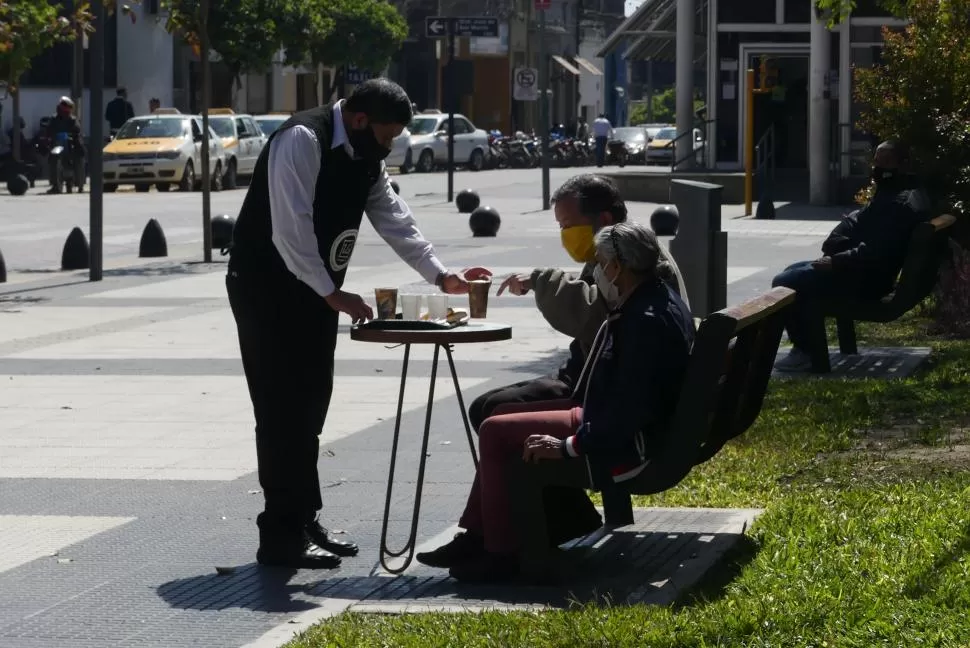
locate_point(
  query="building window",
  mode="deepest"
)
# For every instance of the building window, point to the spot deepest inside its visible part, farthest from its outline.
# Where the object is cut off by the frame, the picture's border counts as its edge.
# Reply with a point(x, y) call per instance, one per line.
point(798, 11)
point(53, 68)
point(748, 11)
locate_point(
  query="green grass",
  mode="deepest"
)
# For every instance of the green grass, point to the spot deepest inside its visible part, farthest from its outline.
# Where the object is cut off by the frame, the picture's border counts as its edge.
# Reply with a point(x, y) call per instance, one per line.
point(865, 540)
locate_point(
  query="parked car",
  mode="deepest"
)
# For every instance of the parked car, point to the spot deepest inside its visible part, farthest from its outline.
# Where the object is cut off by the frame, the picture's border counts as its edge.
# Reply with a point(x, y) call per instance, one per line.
point(243, 141)
point(270, 122)
point(428, 142)
point(399, 152)
point(164, 149)
point(661, 149)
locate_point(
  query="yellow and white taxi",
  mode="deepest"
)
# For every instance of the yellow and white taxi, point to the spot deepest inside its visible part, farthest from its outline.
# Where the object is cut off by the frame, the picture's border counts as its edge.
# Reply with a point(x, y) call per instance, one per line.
point(164, 149)
point(243, 140)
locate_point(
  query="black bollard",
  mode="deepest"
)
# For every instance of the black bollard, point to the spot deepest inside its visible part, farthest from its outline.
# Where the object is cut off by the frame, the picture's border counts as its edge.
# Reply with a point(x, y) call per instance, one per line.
point(76, 254)
point(467, 201)
point(17, 185)
point(665, 220)
point(3, 269)
point(222, 226)
point(153, 243)
point(484, 221)
point(395, 186)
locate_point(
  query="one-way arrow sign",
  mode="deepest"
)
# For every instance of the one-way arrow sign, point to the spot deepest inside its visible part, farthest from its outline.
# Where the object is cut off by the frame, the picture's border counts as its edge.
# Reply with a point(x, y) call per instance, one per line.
point(474, 26)
point(436, 26)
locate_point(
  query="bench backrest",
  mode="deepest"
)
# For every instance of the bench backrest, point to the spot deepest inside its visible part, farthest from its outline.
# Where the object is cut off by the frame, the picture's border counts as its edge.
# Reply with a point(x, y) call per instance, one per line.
point(724, 387)
point(927, 249)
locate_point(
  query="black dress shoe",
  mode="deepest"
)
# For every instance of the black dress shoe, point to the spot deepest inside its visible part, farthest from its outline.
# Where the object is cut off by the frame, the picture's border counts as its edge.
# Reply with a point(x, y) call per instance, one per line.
point(324, 539)
point(465, 547)
point(305, 555)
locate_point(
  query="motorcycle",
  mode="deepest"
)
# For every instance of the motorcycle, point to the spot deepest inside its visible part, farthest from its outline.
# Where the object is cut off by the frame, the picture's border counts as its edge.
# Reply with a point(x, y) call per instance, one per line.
point(617, 153)
point(67, 168)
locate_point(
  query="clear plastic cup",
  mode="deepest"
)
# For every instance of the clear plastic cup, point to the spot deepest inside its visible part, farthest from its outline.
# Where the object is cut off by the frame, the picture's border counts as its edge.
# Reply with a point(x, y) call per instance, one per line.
point(437, 307)
point(410, 306)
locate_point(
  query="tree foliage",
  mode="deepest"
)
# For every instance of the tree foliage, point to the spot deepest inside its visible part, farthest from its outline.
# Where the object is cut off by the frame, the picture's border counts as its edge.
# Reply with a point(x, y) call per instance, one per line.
point(28, 28)
point(664, 109)
point(243, 33)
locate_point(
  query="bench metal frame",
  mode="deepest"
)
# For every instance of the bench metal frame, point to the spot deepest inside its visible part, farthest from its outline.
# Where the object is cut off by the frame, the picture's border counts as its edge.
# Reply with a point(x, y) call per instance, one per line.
point(724, 388)
point(921, 269)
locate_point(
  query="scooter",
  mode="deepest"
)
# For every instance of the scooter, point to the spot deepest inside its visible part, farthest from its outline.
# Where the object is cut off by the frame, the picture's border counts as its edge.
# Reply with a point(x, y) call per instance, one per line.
point(67, 169)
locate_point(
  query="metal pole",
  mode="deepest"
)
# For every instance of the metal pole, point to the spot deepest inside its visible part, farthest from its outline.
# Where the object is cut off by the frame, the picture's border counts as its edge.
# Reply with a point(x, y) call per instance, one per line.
point(206, 197)
point(77, 74)
point(96, 217)
point(684, 83)
point(544, 108)
point(748, 141)
point(450, 98)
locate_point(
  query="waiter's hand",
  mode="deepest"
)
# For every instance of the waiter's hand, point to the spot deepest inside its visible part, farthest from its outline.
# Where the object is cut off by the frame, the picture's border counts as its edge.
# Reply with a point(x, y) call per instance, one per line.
point(353, 305)
point(455, 283)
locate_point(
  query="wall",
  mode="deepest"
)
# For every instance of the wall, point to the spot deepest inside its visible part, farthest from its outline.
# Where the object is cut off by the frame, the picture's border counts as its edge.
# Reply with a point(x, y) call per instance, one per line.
point(591, 85)
point(146, 59)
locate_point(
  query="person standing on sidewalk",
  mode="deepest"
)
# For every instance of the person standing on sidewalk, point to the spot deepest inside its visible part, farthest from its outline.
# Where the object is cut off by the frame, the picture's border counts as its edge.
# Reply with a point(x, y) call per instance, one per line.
point(316, 177)
point(602, 132)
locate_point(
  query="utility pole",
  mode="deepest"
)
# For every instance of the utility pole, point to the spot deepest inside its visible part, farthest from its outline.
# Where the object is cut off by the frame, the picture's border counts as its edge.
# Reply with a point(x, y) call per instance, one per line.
point(206, 196)
point(544, 108)
point(96, 199)
point(450, 100)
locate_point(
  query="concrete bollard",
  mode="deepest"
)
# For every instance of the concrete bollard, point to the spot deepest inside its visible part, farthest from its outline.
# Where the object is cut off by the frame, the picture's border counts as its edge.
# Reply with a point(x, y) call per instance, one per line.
point(484, 221)
point(76, 254)
point(700, 247)
point(467, 201)
point(17, 185)
point(664, 220)
point(222, 226)
point(153, 243)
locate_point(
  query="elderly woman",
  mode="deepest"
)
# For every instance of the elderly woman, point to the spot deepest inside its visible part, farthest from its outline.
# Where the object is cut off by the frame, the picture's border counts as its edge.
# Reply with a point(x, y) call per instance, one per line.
point(624, 399)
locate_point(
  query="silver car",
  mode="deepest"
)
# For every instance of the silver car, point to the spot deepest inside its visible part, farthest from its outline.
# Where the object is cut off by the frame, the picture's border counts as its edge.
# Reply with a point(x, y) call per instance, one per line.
point(428, 143)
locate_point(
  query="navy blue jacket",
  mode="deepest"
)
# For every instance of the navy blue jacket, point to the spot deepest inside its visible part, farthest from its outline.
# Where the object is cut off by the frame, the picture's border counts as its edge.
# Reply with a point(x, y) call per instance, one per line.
point(633, 380)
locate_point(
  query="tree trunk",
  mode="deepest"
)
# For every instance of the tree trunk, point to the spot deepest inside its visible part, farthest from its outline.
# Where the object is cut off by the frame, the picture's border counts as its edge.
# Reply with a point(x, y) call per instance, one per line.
point(15, 122)
point(338, 84)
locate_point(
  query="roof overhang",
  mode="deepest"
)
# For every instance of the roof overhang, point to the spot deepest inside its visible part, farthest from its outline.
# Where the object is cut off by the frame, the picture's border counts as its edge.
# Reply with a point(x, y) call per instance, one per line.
point(652, 28)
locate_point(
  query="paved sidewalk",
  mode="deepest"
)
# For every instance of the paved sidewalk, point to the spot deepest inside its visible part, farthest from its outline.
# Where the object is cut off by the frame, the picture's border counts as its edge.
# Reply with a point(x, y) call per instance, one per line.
point(127, 461)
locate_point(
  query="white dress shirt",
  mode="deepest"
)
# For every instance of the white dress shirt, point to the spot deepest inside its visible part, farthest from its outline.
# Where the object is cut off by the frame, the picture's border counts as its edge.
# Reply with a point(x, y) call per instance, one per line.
point(294, 164)
point(602, 127)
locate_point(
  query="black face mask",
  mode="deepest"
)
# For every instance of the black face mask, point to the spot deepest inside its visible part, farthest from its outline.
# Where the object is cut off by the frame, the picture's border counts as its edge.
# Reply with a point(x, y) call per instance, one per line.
point(366, 146)
point(885, 177)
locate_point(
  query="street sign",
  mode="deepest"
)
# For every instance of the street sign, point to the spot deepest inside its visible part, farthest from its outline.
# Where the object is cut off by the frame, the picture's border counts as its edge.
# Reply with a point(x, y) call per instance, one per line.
point(436, 26)
point(472, 26)
point(356, 76)
point(543, 5)
point(526, 84)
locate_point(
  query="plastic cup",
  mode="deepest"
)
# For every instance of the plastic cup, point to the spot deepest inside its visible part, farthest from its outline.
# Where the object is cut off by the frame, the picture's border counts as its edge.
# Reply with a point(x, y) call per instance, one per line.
point(478, 297)
point(410, 306)
point(437, 307)
point(386, 302)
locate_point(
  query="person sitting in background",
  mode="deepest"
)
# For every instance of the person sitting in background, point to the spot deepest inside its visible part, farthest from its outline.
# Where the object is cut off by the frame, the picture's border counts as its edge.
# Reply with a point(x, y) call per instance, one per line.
point(615, 419)
point(573, 306)
point(862, 257)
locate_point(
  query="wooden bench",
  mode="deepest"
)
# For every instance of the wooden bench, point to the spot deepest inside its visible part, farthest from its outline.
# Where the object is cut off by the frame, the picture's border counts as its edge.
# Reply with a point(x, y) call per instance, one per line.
point(921, 269)
point(724, 388)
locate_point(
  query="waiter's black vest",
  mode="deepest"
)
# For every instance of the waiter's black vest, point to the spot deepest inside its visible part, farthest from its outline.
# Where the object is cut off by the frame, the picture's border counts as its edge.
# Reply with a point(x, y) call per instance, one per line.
point(338, 206)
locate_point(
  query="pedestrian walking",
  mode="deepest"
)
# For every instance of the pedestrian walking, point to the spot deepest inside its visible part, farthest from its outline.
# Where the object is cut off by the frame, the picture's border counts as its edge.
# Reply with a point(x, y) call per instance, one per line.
point(602, 132)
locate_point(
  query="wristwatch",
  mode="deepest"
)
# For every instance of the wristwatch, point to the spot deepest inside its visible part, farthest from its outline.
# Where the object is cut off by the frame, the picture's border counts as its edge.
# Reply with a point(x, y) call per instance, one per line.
point(440, 280)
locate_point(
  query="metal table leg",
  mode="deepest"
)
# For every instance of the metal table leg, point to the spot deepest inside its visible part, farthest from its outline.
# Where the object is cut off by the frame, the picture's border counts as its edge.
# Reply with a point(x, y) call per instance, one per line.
point(461, 406)
point(410, 545)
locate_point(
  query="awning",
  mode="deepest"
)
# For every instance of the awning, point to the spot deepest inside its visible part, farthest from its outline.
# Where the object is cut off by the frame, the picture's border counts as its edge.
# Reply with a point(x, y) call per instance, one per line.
point(566, 65)
point(586, 65)
point(653, 31)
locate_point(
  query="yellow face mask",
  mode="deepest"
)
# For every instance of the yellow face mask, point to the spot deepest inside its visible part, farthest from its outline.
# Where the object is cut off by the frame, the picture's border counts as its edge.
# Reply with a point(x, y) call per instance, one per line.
point(578, 242)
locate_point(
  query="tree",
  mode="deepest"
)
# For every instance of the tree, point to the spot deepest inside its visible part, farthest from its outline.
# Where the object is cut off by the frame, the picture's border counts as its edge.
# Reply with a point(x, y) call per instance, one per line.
point(338, 33)
point(837, 11)
point(664, 108)
point(27, 29)
point(920, 94)
point(242, 32)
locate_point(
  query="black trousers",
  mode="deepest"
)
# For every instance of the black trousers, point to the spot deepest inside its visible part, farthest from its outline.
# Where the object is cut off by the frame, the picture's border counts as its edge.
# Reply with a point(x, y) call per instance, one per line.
point(569, 511)
point(287, 337)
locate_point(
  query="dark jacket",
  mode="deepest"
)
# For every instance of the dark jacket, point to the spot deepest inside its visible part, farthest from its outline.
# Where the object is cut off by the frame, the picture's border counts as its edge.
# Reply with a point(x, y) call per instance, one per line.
point(632, 383)
point(69, 125)
point(871, 243)
point(117, 112)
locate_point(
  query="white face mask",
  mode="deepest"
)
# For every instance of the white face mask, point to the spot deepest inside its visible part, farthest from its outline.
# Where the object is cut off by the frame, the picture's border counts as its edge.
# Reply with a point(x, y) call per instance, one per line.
point(606, 286)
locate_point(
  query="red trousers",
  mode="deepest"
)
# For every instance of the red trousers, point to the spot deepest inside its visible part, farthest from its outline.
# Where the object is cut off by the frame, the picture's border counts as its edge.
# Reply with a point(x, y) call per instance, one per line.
point(501, 437)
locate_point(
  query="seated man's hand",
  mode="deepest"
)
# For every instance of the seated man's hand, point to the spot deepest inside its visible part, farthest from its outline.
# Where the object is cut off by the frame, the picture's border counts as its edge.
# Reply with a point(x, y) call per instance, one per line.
point(542, 446)
point(824, 263)
point(517, 284)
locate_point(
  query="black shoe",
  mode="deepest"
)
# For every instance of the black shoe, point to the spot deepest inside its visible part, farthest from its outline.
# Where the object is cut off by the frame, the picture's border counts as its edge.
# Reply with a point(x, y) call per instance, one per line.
point(323, 539)
point(304, 555)
point(463, 548)
point(489, 568)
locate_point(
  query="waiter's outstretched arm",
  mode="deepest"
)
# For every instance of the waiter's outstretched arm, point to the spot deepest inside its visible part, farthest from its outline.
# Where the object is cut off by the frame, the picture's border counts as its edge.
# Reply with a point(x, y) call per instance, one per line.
point(294, 164)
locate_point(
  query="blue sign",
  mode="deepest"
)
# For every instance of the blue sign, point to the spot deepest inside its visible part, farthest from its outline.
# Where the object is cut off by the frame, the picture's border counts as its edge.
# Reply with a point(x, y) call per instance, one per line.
point(355, 76)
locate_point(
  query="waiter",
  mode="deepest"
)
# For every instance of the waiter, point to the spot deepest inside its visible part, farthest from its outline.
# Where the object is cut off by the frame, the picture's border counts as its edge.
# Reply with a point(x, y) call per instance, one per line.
point(316, 177)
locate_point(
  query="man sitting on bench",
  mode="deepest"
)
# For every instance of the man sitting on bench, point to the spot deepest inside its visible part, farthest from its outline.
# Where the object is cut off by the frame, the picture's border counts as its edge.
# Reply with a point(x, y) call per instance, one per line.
point(625, 396)
point(861, 257)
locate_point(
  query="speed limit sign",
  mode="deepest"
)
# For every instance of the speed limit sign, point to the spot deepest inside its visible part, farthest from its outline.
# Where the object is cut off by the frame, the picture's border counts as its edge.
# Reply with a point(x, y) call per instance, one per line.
point(526, 84)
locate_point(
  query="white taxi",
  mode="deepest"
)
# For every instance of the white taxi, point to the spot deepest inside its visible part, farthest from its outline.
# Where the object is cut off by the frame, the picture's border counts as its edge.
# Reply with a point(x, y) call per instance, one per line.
point(164, 149)
point(243, 140)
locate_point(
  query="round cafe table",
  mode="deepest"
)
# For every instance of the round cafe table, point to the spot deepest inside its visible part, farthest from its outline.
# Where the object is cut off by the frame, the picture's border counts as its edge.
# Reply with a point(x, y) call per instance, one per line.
point(473, 332)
